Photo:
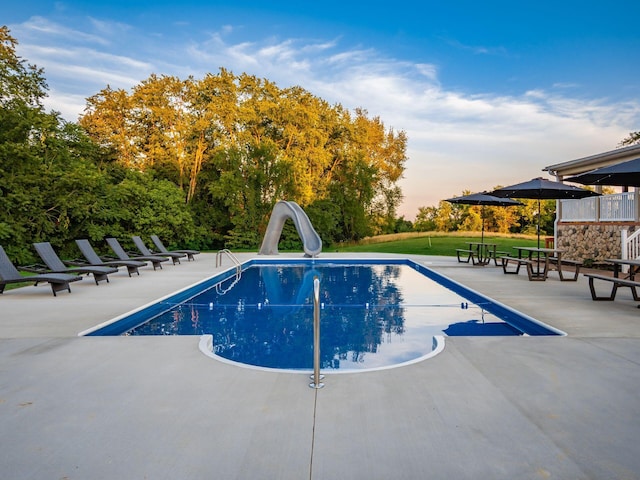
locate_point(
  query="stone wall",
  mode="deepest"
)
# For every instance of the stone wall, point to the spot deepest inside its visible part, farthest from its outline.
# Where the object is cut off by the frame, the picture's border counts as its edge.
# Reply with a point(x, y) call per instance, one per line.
point(592, 241)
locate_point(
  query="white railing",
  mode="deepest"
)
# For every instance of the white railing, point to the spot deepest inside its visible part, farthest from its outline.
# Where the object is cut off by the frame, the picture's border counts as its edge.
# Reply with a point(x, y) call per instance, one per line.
point(618, 207)
point(585, 210)
point(631, 244)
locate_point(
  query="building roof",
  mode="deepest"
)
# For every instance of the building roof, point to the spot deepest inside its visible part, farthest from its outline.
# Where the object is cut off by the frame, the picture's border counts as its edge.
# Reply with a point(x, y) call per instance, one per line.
point(581, 165)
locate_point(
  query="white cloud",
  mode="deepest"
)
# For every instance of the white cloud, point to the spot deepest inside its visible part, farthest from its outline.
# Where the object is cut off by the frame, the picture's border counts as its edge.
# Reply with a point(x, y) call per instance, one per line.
point(70, 106)
point(38, 26)
point(457, 141)
point(478, 49)
point(428, 70)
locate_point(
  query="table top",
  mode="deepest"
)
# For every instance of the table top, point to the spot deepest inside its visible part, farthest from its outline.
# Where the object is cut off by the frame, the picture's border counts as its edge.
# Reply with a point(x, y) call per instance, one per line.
point(482, 243)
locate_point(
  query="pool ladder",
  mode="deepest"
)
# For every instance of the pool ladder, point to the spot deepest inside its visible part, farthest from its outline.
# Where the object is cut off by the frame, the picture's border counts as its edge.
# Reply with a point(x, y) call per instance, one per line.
point(234, 259)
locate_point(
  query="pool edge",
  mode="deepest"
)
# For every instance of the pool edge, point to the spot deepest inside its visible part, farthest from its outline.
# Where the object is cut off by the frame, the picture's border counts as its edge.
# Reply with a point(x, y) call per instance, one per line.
point(205, 345)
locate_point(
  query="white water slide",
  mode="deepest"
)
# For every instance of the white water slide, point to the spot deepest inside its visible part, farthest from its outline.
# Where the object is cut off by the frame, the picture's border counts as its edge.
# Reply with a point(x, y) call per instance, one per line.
point(311, 241)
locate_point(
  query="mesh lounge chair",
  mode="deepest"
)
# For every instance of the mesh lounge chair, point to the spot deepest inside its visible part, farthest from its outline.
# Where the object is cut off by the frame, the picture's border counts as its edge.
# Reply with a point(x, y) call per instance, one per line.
point(162, 249)
point(94, 259)
point(120, 252)
point(10, 274)
point(55, 265)
point(145, 251)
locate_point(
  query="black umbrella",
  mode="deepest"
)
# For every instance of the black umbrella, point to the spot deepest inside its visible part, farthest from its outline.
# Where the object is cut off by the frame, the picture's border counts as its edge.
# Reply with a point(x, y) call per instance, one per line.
point(543, 189)
point(625, 174)
point(483, 199)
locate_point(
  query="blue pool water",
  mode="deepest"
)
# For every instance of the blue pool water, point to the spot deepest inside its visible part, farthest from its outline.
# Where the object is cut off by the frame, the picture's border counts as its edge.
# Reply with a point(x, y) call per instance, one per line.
point(373, 314)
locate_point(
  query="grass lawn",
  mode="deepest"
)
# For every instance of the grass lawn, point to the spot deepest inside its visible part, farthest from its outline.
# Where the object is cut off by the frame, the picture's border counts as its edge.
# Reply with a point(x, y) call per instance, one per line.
point(11, 286)
point(434, 243)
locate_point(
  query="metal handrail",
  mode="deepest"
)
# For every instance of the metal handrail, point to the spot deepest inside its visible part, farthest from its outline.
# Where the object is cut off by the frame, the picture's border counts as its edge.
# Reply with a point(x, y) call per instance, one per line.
point(233, 258)
point(238, 265)
point(316, 336)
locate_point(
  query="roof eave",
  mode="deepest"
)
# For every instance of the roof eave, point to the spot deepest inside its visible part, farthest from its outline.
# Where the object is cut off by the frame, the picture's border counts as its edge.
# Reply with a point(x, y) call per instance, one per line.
point(581, 165)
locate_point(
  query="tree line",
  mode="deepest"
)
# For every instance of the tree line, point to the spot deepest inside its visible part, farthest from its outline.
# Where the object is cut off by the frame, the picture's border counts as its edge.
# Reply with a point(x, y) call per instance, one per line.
point(200, 162)
point(454, 217)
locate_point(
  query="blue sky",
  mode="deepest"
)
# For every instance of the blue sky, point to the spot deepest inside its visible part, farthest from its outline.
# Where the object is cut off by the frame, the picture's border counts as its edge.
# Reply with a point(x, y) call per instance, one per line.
point(489, 93)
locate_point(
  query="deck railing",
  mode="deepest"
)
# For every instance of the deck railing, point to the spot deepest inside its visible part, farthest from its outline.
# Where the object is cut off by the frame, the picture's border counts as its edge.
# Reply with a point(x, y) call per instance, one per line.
point(618, 207)
point(585, 210)
point(631, 244)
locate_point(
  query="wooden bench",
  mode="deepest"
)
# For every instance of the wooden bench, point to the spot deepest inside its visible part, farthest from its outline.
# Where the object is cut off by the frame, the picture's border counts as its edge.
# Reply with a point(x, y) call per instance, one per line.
point(471, 256)
point(506, 260)
point(617, 282)
point(575, 264)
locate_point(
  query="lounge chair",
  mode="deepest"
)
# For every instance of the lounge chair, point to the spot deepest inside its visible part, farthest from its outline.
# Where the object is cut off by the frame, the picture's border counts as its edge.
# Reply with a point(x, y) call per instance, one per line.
point(10, 274)
point(162, 249)
point(55, 265)
point(92, 258)
point(120, 252)
point(145, 251)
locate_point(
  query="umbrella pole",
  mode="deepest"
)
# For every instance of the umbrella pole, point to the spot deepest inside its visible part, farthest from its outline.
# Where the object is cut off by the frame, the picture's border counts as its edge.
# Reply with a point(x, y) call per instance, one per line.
point(482, 216)
point(538, 264)
point(538, 222)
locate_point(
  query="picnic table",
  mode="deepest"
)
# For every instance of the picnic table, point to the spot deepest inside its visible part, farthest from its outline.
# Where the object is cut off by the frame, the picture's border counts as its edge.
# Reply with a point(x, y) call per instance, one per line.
point(618, 263)
point(617, 280)
point(485, 251)
point(539, 260)
point(479, 253)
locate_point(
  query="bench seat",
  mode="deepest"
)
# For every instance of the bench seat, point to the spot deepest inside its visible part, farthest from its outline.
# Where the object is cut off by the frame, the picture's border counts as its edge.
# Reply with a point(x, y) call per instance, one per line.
point(575, 264)
point(506, 260)
point(470, 254)
point(617, 282)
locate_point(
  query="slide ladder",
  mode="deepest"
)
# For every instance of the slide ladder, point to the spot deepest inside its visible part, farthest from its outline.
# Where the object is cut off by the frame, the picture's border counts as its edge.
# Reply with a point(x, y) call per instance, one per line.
point(311, 241)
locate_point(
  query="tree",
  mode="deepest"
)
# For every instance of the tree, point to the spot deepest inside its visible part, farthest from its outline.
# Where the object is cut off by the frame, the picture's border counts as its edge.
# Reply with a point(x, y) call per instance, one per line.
point(25, 130)
point(447, 216)
point(220, 136)
point(425, 219)
point(56, 184)
point(501, 219)
point(472, 219)
point(632, 139)
point(106, 119)
point(21, 84)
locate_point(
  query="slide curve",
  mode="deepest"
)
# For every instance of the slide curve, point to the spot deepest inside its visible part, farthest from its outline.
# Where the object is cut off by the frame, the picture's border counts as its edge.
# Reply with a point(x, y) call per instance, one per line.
point(311, 241)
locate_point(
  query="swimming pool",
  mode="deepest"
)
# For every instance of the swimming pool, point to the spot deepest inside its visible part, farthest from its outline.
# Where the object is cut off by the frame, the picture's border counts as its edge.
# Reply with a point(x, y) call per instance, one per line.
point(374, 314)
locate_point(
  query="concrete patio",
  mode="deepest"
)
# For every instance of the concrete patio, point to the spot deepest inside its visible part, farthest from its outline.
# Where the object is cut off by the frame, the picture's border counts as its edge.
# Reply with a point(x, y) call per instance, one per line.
point(156, 408)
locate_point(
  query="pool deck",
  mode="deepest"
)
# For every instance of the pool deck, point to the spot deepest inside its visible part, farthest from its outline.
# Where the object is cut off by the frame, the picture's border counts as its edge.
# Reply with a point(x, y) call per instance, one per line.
point(157, 408)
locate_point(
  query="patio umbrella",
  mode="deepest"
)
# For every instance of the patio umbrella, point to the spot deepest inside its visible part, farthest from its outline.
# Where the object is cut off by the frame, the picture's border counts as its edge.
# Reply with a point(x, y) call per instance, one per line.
point(542, 189)
point(483, 199)
point(625, 174)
